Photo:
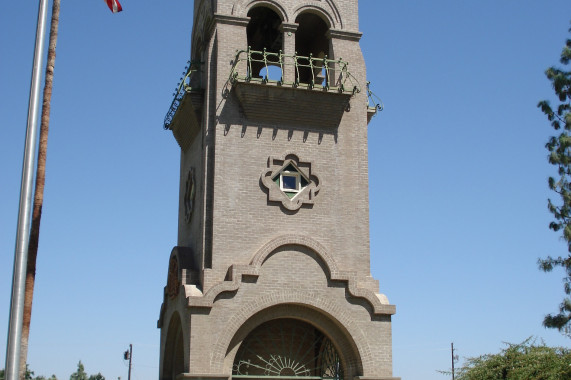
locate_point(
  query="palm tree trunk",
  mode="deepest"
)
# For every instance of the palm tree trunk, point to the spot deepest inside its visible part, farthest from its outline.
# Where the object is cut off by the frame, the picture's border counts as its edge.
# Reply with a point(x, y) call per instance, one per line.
point(39, 189)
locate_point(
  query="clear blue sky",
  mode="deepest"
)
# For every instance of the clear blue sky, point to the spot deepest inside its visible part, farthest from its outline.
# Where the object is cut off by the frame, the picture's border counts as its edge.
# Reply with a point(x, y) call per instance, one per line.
point(458, 177)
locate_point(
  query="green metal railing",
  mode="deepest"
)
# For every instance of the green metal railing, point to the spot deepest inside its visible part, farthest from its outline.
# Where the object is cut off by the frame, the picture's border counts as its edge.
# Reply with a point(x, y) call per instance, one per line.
point(304, 71)
point(282, 69)
point(374, 103)
point(191, 69)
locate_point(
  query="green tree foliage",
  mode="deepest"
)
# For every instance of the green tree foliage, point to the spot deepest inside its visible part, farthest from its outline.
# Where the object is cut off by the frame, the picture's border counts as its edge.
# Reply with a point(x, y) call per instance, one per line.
point(526, 360)
point(80, 374)
point(52, 377)
point(29, 375)
point(559, 148)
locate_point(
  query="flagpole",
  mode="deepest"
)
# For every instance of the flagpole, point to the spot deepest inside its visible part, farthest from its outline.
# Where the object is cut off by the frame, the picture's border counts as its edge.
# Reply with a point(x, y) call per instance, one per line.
point(24, 213)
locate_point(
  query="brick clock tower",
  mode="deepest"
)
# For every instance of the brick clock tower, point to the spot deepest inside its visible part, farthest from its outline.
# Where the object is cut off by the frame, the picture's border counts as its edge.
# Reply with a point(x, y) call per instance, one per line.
point(270, 277)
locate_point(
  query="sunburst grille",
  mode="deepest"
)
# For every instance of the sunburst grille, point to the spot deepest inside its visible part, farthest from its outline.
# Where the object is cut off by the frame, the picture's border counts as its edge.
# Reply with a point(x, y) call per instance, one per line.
point(287, 349)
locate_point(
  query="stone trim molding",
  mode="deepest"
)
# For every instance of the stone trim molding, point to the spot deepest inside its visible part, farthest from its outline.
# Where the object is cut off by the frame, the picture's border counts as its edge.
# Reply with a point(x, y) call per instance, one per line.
point(344, 35)
point(202, 376)
point(327, 11)
point(379, 302)
point(288, 27)
point(316, 8)
point(241, 8)
point(260, 257)
point(232, 20)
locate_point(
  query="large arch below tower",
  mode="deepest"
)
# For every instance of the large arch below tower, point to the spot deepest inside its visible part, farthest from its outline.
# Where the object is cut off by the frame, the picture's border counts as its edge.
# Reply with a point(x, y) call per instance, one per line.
point(293, 326)
point(287, 347)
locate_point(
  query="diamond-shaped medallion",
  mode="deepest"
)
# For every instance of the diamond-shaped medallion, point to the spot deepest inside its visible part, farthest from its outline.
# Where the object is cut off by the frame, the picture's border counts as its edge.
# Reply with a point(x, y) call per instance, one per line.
point(290, 182)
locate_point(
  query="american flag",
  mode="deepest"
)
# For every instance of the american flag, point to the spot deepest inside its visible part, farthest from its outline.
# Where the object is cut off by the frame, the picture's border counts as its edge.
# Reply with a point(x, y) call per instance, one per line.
point(114, 5)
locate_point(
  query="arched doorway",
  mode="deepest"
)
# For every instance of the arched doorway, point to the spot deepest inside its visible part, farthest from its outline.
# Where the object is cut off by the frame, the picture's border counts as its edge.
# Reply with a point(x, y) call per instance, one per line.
point(286, 349)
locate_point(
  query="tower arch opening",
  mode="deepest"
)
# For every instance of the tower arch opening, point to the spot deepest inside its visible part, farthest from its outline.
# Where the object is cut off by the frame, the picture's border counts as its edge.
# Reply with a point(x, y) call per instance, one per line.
point(285, 348)
point(311, 41)
point(264, 35)
point(173, 358)
point(295, 317)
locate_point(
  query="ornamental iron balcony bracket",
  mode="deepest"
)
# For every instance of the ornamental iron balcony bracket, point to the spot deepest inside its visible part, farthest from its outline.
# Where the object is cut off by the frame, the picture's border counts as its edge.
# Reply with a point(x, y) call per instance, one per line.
point(185, 112)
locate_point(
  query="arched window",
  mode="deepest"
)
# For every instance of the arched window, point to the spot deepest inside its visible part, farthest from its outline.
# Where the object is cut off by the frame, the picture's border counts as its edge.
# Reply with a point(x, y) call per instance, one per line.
point(311, 40)
point(286, 349)
point(263, 32)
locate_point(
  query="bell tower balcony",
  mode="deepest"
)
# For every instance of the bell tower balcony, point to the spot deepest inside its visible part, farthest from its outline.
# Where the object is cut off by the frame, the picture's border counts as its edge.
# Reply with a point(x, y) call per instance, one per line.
point(268, 87)
point(184, 116)
point(271, 87)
